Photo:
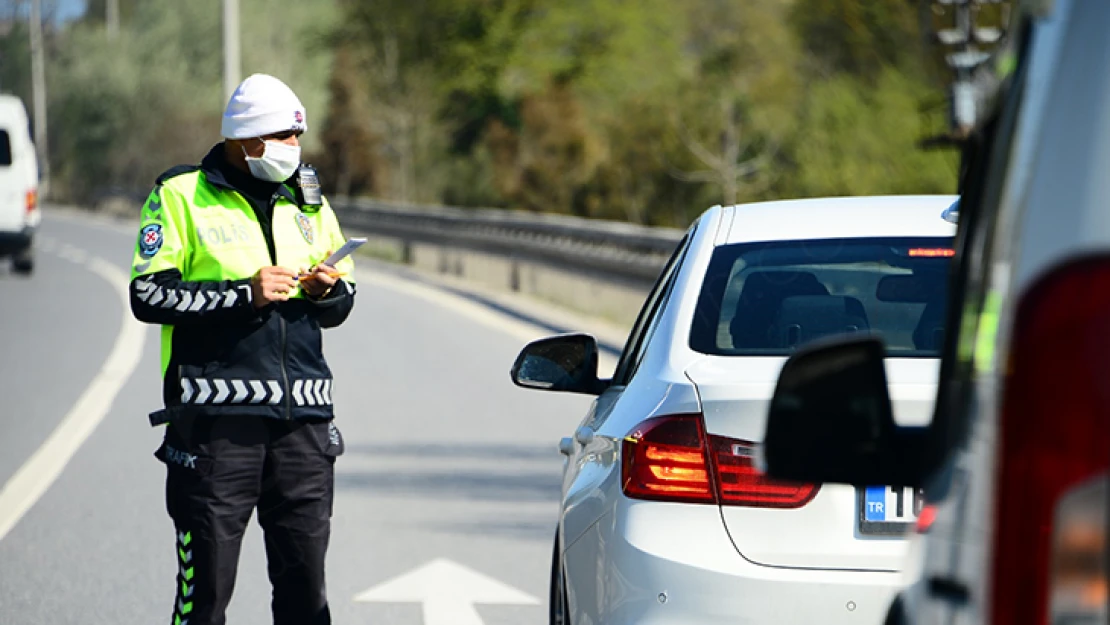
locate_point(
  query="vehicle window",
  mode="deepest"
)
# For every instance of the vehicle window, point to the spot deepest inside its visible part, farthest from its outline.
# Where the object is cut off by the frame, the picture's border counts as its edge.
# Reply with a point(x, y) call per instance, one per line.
point(645, 323)
point(5, 149)
point(770, 298)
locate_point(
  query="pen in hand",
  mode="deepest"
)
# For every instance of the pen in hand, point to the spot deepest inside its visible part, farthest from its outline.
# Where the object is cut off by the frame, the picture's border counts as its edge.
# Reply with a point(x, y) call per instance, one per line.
point(331, 274)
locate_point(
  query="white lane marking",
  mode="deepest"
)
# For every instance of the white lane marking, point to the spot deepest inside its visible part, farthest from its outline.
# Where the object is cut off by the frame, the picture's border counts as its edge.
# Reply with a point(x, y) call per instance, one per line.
point(448, 592)
point(520, 330)
point(32, 480)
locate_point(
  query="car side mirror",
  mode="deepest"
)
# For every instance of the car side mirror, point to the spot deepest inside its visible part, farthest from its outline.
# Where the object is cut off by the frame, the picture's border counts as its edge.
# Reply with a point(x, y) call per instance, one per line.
point(566, 363)
point(831, 420)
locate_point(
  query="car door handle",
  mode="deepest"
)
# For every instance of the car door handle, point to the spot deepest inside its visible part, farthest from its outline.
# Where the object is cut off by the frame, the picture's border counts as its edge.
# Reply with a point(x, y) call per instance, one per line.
point(584, 435)
point(566, 446)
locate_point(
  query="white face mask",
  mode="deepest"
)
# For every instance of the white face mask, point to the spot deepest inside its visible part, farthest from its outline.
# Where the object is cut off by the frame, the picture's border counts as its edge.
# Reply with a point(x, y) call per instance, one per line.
point(278, 162)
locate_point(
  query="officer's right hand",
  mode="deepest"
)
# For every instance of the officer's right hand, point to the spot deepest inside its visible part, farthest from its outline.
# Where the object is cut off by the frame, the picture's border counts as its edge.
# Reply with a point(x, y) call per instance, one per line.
point(273, 284)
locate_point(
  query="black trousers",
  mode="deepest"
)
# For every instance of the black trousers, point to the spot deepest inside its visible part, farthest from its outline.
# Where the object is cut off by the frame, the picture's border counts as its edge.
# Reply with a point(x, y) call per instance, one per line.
point(219, 470)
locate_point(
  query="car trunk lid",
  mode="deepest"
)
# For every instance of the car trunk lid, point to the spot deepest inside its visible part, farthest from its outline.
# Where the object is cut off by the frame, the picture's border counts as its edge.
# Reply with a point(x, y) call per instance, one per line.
point(830, 531)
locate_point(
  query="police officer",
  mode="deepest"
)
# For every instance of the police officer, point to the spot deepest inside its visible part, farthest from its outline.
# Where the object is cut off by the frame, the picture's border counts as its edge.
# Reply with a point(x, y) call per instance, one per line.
point(228, 262)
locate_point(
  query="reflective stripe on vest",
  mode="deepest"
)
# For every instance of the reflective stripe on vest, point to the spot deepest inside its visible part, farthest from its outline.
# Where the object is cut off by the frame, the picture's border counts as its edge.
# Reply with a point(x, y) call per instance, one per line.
point(220, 391)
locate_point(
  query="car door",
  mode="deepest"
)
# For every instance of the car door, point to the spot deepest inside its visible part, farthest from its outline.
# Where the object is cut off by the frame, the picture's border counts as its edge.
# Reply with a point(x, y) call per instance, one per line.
point(962, 442)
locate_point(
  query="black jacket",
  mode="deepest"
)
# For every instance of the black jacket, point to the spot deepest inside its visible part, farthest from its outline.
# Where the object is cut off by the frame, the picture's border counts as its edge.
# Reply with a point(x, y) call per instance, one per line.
point(224, 356)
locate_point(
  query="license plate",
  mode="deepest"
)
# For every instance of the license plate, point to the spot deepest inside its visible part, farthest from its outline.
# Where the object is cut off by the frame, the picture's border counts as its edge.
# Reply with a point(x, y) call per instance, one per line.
point(887, 509)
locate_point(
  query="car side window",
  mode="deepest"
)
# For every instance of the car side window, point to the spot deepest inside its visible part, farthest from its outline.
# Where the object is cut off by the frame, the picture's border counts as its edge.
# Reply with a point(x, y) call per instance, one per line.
point(649, 315)
point(5, 149)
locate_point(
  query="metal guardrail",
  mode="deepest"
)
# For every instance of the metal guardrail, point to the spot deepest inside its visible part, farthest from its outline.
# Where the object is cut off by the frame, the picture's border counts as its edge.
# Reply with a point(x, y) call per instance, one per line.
point(611, 249)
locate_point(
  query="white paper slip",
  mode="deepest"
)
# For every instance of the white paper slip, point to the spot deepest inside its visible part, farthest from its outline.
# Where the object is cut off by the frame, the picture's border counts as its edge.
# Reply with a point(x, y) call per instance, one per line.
point(351, 245)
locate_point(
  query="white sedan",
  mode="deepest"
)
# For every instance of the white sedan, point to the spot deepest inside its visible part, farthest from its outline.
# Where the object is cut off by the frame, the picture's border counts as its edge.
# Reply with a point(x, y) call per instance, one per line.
point(665, 518)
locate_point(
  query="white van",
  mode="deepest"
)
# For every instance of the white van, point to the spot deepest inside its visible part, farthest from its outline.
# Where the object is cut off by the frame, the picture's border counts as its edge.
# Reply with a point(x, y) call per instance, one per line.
point(1016, 462)
point(19, 181)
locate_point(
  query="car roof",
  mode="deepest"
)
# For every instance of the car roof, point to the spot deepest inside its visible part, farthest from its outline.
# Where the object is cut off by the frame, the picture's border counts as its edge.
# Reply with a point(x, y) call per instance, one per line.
point(12, 110)
point(841, 217)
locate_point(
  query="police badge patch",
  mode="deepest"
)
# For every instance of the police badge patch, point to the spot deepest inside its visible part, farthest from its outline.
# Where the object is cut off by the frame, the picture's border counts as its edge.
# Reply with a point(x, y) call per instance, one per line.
point(150, 240)
point(306, 227)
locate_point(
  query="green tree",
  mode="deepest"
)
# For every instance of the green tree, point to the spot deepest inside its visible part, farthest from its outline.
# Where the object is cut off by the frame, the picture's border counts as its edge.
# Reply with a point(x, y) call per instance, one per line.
point(859, 38)
point(124, 109)
point(859, 142)
point(739, 109)
point(15, 61)
point(643, 110)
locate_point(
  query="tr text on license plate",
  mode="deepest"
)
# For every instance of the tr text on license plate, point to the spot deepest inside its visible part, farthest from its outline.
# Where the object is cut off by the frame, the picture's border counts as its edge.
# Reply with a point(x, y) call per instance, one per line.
point(888, 509)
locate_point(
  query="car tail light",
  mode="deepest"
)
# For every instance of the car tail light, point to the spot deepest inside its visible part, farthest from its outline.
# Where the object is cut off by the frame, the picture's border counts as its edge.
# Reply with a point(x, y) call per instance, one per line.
point(669, 459)
point(1078, 592)
point(664, 459)
point(1054, 439)
point(740, 483)
point(925, 519)
point(32, 201)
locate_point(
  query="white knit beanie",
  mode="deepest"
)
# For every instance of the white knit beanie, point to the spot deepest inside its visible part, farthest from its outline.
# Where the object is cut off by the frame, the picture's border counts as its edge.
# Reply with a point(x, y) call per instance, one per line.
point(262, 105)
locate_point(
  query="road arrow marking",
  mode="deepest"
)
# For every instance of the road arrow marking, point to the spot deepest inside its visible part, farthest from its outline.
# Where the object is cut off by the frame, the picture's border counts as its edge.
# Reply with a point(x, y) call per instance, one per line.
point(448, 592)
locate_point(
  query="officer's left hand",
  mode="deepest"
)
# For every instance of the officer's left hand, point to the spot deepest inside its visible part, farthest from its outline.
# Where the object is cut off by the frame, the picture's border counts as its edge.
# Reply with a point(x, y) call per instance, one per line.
point(320, 279)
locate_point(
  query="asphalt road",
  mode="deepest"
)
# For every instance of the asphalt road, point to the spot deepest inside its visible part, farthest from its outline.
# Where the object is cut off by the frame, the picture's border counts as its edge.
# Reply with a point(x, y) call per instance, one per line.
point(446, 461)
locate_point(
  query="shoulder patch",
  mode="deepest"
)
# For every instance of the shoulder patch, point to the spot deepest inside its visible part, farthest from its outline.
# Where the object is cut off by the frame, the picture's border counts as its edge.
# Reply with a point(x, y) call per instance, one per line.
point(174, 172)
point(150, 240)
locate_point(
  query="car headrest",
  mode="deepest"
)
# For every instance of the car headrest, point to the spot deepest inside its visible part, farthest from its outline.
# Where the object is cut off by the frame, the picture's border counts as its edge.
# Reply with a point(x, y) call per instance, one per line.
point(929, 333)
point(759, 301)
point(804, 318)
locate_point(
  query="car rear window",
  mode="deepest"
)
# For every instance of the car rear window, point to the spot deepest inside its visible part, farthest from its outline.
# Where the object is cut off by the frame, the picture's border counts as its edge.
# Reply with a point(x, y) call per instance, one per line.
point(5, 149)
point(770, 298)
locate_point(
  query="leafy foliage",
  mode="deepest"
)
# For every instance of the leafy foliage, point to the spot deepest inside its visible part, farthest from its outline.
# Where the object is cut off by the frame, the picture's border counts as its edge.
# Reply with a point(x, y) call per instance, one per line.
point(644, 110)
point(122, 110)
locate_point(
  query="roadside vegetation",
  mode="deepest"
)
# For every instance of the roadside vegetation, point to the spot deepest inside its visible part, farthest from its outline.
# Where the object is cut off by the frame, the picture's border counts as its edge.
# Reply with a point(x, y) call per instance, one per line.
point(639, 110)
